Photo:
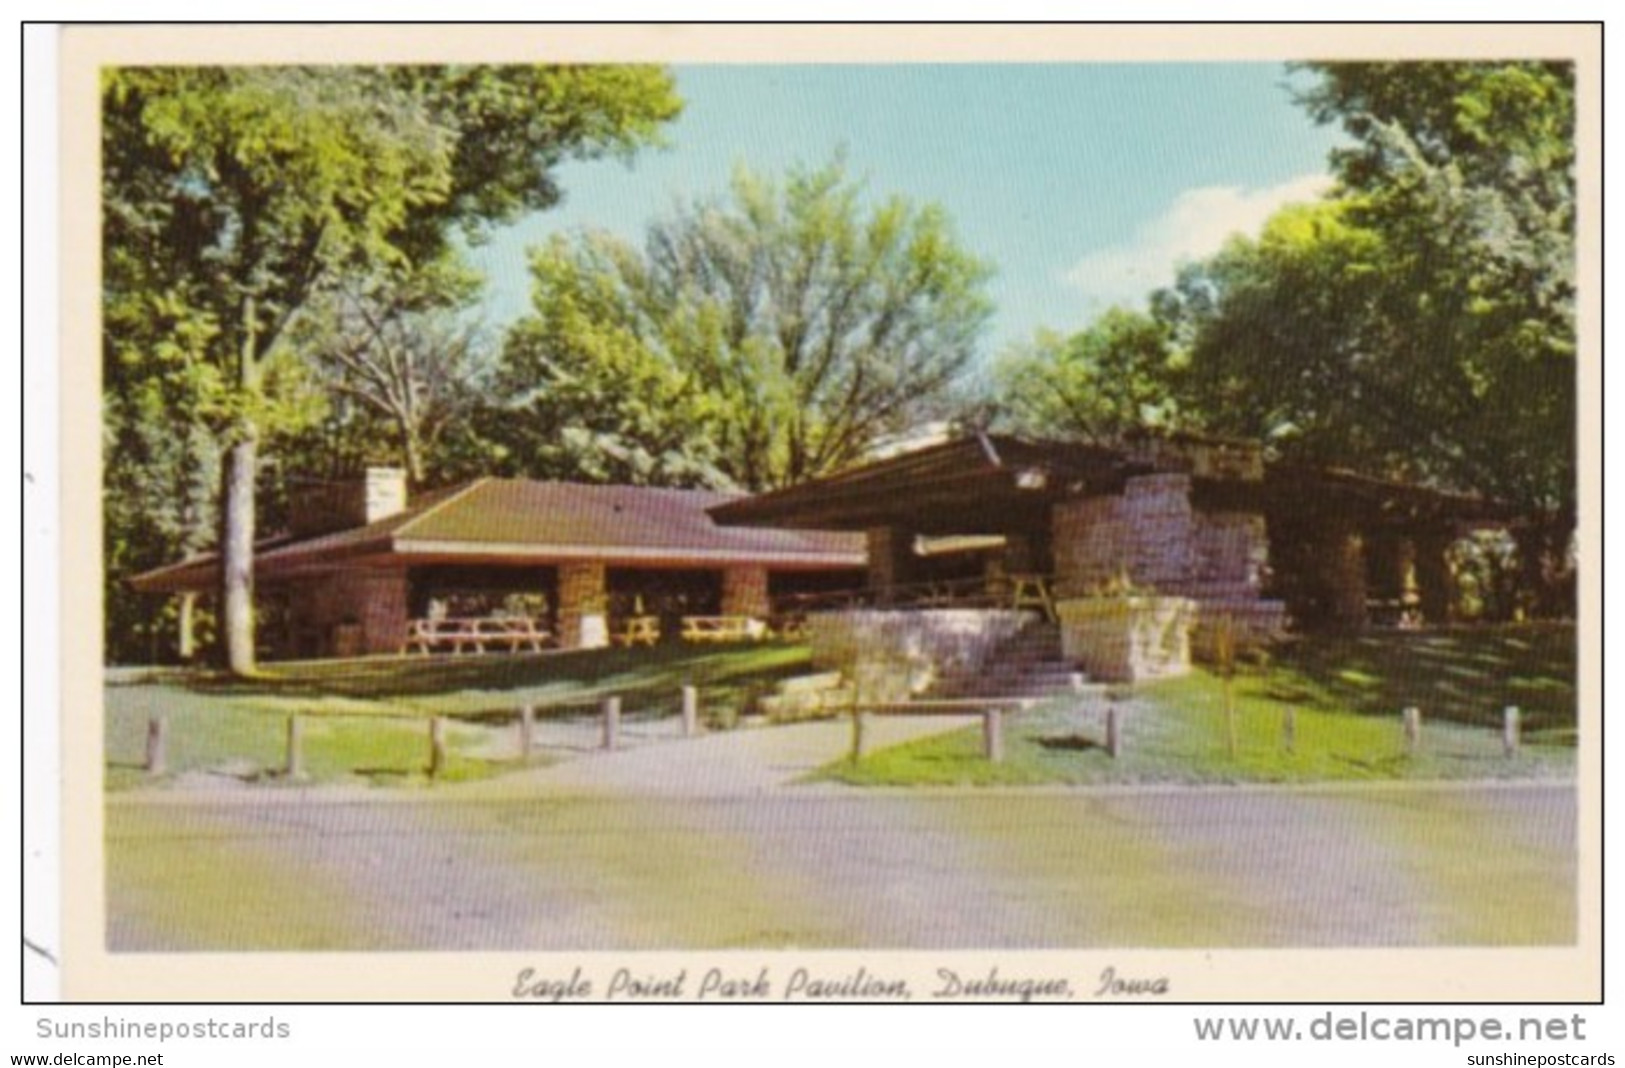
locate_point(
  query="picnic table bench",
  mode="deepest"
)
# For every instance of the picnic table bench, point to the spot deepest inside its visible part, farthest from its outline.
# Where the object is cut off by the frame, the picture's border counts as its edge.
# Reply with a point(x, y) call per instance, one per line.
point(476, 635)
point(723, 629)
point(638, 630)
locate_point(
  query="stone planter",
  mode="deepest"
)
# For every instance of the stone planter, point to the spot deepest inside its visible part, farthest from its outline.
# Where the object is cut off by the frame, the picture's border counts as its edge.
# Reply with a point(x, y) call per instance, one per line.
point(1128, 639)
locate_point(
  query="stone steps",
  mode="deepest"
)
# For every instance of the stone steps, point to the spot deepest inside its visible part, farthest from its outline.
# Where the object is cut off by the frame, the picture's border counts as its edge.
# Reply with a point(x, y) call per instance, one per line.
point(1027, 665)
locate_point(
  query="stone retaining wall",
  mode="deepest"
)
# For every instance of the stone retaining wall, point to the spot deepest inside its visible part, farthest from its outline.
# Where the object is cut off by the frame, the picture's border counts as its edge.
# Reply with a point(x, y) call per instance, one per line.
point(893, 655)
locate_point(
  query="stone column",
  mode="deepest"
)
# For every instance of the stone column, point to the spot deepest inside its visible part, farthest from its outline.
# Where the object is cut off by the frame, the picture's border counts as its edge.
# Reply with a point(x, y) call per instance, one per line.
point(1160, 527)
point(583, 605)
point(1343, 564)
point(891, 558)
point(744, 592)
point(1435, 582)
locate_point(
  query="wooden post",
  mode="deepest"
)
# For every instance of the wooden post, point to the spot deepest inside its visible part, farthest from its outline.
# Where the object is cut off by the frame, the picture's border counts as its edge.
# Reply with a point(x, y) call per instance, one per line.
point(860, 736)
point(527, 731)
point(1114, 732)
point(437, 746)
point(1289, 730)
point(612, 722)
point(157, 745)
point(294, 766)
point(993, 734)
point(1510, 730)
point(1413, 729)
point(691, 711)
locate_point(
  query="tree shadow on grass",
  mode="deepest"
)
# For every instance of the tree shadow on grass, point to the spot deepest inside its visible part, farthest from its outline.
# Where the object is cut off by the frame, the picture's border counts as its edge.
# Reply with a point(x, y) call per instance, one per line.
point(1464, 675)
point(572, 673)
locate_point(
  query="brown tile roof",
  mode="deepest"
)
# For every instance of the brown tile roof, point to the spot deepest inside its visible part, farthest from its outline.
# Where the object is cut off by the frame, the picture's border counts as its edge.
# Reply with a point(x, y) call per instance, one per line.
point(611, 520)
point(538, 522)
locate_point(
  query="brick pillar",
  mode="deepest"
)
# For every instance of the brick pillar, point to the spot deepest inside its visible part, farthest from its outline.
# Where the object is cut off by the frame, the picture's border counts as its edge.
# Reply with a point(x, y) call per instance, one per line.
point(744, 592)
point(1435, 582)
point(382, 611)
point(583, 605)
point(891, 558)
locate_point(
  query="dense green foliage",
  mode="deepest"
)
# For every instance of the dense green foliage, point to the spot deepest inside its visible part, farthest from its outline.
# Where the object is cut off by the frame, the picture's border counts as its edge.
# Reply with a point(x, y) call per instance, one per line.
point(233, 196)
point(758, 340)
point(1094, 386)
point(403, 363)
point(283, 295)
point(1421, 322)
point(1417, 323)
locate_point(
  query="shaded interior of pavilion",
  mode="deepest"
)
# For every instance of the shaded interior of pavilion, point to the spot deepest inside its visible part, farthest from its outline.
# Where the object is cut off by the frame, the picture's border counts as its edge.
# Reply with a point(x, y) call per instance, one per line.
point(974, 522)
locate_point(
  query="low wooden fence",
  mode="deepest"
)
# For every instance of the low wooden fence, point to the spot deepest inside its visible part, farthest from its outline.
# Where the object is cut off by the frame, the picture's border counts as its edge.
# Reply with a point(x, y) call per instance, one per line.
point(1410, 724)
point(608, 711)
point(991, 711)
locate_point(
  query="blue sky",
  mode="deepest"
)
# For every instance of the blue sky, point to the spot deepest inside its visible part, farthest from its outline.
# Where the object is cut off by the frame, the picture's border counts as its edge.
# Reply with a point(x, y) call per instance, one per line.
point(1084, 184)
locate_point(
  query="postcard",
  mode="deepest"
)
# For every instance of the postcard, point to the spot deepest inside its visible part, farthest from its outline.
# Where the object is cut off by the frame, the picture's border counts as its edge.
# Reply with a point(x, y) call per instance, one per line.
point(1093, 514)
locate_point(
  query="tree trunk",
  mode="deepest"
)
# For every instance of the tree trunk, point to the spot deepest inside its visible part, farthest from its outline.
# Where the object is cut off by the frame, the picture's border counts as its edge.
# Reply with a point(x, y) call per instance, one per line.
point(237, 554)
point(412, 447)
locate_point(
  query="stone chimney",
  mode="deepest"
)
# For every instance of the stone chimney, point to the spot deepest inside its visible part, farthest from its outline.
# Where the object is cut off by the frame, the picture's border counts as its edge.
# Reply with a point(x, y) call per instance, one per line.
point(326, 507)
point(383, 492)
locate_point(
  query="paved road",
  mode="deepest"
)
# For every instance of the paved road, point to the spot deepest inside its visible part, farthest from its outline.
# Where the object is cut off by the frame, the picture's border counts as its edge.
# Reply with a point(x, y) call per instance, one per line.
point(570, 858)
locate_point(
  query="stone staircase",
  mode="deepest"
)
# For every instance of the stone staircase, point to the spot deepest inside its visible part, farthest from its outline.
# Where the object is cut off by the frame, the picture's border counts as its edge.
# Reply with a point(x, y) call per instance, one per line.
point(1027, 665)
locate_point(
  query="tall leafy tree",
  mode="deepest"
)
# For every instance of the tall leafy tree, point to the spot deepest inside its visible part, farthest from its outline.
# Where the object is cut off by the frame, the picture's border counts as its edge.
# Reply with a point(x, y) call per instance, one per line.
point(401, 357)
point(232, 194)
point(1465, 173)
point(591, 384)
point(1111, 377)
point(802, 319)
point(1420, 321)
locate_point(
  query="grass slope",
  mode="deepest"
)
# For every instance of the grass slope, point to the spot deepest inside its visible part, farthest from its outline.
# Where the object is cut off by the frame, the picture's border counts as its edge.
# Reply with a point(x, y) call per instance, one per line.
point(1346, 694)
point(366, 718)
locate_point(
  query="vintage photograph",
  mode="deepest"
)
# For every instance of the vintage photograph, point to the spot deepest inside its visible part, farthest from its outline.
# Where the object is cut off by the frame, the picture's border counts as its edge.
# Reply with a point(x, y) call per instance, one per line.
point(968, 528)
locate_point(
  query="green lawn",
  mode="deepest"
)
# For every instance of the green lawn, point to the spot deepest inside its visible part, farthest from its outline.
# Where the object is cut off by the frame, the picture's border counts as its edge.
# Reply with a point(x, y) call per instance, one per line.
point(1346, 694)
point(367, 718)
point(1465, 675)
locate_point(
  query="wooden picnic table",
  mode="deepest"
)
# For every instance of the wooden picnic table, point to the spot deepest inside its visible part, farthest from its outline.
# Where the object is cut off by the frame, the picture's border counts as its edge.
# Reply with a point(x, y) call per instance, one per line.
point(478, 635)
point(638, 630)
point(723, 628)
point(1031, 591)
